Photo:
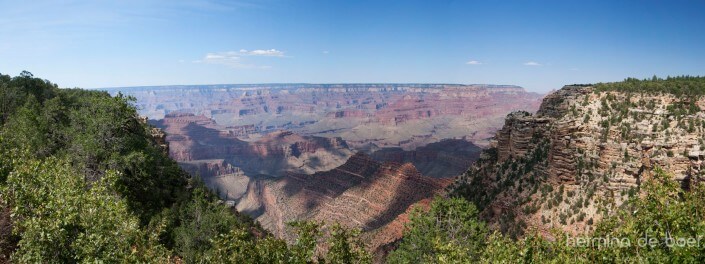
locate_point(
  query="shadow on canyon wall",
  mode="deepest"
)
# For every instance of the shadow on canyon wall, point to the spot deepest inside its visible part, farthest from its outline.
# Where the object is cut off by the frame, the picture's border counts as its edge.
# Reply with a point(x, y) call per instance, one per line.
point(447, 158)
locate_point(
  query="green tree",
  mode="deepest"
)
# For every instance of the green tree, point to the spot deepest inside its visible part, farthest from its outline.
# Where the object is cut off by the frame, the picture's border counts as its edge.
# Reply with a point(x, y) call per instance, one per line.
point(197, 222)
point(664, 212)
point(450, 232)
point(344, 247)
point(60, 219)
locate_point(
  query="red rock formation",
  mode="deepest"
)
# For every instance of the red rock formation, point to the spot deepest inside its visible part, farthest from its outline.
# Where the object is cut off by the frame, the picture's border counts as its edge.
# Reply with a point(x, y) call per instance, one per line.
point(283, 152)
point(196, 137)
point(362, 193)
point(401, 115)
point(585, 151)
point(447, 158)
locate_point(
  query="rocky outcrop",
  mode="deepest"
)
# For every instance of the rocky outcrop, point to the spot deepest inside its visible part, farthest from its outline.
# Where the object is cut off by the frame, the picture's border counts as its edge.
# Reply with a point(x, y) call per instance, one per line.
point(519, 134)
point(582, 155)
point(194, 138)
point(157, 135)
point(362, 193)
point(444, 159)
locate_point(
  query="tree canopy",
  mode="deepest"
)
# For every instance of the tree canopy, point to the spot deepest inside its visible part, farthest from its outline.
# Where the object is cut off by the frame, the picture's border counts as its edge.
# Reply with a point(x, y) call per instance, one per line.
point(83, 180)
point(680, 85)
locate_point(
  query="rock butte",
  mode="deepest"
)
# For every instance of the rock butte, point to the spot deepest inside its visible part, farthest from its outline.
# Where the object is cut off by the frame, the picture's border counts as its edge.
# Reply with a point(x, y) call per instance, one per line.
point(557, 168)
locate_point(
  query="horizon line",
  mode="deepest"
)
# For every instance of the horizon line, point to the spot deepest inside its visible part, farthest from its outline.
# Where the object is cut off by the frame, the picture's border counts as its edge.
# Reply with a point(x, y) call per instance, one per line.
point(303, 83)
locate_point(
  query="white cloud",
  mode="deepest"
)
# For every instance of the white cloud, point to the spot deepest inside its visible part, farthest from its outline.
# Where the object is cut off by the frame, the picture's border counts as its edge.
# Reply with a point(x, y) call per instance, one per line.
point(473, 62)
point(532, 63)
point(259, 52)
point(235, 58)
point(229, 58)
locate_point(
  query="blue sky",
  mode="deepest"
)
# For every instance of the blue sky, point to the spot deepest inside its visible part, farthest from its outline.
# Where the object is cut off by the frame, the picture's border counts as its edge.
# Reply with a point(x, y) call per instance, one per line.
point(540, 45)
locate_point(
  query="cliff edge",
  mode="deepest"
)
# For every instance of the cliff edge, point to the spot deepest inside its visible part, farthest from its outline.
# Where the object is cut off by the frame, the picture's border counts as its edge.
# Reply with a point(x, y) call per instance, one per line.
point(585, 151)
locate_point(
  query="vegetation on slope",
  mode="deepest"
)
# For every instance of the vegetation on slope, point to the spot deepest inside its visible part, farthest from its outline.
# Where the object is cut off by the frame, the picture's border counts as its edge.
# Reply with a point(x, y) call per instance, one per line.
point(664, 225)
point(679, 85)
point(82, 180)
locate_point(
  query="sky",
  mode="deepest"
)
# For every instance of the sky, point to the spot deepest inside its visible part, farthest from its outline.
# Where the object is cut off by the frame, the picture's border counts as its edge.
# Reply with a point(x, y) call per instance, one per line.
point(539, 45)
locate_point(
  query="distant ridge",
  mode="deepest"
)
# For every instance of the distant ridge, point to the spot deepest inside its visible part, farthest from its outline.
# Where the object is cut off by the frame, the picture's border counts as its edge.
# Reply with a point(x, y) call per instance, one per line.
point(391, 86)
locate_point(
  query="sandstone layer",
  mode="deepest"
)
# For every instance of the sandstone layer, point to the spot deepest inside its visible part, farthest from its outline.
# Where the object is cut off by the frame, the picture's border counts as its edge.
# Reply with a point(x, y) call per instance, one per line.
point(444, 159)
point(581, 155)
point(362, 193)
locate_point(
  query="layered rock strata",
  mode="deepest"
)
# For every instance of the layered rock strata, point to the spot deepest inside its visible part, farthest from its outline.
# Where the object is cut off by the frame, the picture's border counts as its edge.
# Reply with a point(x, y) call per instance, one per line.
point(386, 115)
point(362, 193)
point(581, 155)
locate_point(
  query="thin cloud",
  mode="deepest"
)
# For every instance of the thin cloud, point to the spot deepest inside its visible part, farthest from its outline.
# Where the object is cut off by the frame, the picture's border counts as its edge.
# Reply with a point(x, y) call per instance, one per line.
point(259, 52)
point(532, 63)
point(473, 62)
point(235, 59)
point(325, 52)
point(226, 58)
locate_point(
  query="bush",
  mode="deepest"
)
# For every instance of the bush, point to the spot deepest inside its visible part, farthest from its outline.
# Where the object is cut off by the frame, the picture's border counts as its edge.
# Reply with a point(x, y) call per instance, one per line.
point(63, 220)
point(449, 232)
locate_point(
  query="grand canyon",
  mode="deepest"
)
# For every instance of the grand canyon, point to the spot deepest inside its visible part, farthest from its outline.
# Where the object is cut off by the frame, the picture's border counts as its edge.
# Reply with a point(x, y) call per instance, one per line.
point(352, 132)
point(359, 154)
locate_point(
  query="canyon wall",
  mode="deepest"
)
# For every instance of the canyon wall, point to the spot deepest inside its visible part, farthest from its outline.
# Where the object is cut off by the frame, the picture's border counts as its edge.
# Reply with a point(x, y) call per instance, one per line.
point(358, 154)
point(383, 115)
point(443, 159)
point(362, 193)
point(582, 155)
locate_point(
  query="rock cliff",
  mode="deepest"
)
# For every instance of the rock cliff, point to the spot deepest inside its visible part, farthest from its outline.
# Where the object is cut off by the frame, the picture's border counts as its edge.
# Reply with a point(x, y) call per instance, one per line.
point(362, 193)
point(581, 155)
point(195, 138)
point(283, 177)
point(444, 159)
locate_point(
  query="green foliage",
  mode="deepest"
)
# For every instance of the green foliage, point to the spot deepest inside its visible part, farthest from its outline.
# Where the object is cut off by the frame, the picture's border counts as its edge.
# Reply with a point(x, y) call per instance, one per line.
point(97, 133)
point(104, 134)
point(239, 246)
point(308, 234)
point(82, 180)
point(61, 219)
point(234, 247)
point(663, 213)
point(684, 86)
point(344, 247)
point(192, 225)
point(449, 232)
point(15, 91)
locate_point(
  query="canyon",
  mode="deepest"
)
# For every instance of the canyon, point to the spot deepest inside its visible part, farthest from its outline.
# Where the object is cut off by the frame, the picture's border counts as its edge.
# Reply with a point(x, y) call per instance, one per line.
point(364, 115)
point(362, 155)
